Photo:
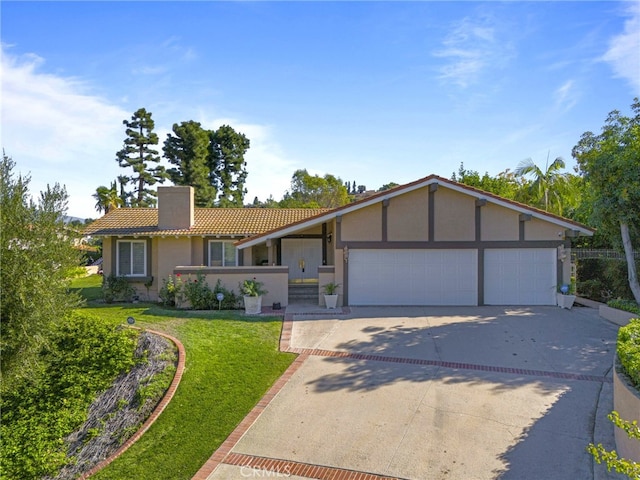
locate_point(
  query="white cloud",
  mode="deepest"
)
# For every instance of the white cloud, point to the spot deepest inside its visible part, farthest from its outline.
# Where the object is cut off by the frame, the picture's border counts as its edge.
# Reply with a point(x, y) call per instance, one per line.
point(624, 49)
point(57, 131)
point(565, 96)
point(471, 48)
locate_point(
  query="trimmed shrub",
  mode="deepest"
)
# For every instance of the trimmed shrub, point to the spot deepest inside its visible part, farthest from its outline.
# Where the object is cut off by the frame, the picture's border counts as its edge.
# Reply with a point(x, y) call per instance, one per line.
point(628, 348)
point(231, 300)
point(117, 289)
point(199, 294)
point(84, 356)
point(172, 291)
point(626, 305)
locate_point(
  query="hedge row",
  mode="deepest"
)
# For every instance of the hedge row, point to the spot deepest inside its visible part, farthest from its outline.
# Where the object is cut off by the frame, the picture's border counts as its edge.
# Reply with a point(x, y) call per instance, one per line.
point(628, 348)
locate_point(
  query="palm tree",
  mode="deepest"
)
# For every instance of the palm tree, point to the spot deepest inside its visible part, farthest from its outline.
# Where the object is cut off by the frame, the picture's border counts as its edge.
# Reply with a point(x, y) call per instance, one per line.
point(107, 199)
point(549, 182)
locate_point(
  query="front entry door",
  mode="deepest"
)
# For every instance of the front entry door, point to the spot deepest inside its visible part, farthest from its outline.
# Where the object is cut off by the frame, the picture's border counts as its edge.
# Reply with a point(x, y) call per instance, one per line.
point(303, 256)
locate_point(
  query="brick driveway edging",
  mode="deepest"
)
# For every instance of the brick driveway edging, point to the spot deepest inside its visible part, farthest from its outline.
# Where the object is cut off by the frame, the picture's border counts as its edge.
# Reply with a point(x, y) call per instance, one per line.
point(224, 454)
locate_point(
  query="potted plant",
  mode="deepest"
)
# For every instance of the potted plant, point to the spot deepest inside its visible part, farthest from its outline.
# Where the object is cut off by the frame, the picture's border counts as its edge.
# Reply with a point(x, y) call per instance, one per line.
point(565, 296)
point(252, 291)
point(330, 294)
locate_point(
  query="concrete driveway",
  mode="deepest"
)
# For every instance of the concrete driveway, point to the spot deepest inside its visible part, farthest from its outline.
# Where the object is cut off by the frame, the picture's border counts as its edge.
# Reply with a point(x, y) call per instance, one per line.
point(433, 393)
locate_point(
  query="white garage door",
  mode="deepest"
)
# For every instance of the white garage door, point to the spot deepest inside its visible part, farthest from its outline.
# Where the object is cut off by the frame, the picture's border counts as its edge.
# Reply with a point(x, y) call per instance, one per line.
point(521, 276)
point(413, 277)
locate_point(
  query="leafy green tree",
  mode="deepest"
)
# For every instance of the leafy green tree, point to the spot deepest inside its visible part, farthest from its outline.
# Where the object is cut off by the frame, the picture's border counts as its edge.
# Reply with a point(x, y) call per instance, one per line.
point(506, 184)
point(188, 150)
point(313, 191)
point(227, 165)
point(37, 257)
point(138, 154)
point(107, 198)
point(610, 163)
point(547, 184)
point(268, 203)
point(388, 186)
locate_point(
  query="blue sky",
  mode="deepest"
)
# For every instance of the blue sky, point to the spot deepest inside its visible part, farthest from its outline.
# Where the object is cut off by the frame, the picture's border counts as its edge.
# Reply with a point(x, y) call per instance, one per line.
point(372, 92)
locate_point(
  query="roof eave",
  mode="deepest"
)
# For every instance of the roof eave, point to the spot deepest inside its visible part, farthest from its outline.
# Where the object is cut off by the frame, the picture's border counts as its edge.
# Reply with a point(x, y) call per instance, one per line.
point(387, 194)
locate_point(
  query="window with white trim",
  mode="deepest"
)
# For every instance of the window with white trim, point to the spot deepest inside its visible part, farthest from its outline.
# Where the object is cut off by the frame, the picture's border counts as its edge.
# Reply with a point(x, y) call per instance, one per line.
point(131, 258)
point(222, 254)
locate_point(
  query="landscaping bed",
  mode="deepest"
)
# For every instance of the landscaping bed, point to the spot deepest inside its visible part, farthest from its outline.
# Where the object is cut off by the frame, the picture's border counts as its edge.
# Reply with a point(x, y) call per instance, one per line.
point(231, 361)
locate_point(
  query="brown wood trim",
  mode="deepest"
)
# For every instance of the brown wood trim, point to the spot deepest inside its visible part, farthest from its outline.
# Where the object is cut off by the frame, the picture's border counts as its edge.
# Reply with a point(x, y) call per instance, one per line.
point(480, 273)
point(324, 243)
point(431, 209)
point(478, 219)
point(326, 269)
point(385, 207)
point(304, 235)
point(523, 217)
point(185, 270)
point(441, 245)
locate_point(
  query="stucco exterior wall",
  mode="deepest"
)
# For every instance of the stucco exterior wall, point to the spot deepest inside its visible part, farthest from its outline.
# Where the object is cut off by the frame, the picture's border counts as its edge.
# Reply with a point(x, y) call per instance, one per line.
point(197, 251)
point(168, 253)
point(363, 225)
point(537, 229)
point(408, 217)
point(107, 258)
point(498, 223)
point(454, 216)
point(157, 279)
point(338, 266)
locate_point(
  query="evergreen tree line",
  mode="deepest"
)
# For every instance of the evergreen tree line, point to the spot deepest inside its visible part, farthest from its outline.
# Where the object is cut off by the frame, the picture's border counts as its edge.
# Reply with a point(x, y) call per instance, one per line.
point(212, 161)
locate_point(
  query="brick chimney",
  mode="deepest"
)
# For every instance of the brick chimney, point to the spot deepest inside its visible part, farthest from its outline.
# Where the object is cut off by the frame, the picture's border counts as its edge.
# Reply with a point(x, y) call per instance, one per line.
point(175, 208)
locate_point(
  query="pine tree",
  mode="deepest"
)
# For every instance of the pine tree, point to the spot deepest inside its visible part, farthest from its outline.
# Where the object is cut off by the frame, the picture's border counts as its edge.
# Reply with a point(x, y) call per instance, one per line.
point(188, 150)
point(226, 161)
point(139, 155)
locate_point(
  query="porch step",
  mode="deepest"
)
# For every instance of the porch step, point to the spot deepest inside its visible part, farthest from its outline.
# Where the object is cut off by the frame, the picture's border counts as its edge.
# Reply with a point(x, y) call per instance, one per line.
point(303, 293)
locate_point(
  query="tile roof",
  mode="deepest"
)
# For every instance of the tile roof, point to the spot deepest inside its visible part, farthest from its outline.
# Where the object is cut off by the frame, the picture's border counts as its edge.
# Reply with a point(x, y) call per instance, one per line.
point(208, 221)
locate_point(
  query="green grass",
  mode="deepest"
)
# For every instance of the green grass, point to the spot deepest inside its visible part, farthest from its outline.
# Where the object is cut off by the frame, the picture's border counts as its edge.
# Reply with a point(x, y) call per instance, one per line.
point(88, 287)
point(231, 362)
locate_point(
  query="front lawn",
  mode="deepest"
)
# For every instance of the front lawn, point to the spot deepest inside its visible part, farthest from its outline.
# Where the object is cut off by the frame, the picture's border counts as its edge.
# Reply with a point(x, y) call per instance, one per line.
point(89, 287)
point(232, 360)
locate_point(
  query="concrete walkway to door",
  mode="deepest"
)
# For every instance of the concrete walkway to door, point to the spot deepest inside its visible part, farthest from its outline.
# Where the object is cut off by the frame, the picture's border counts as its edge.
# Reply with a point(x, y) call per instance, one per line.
point(433, 393)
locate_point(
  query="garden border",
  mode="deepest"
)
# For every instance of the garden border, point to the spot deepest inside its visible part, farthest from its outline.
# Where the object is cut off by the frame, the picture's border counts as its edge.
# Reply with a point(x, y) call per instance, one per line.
point(156, 412)
point(626, 401)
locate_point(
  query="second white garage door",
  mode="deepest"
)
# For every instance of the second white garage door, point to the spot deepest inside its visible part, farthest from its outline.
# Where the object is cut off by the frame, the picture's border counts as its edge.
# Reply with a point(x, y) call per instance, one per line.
point(520, 276)
point(413, 277)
